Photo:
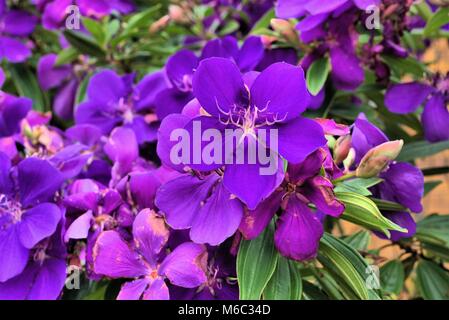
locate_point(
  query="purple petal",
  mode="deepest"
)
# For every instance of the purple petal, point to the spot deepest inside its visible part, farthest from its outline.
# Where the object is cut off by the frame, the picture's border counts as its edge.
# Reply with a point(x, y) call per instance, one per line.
point(298, 232)
point(290, 8)
point(157, 290)
point(171, 101)
point(250, 54)
point(2, 77)
point(106, 87)
point(218, 218)
point(38, 223)
point(150, 235)
point(287, 55)
point(347, 72)
point(13, 50)
point(226, 47)
point(435, 119)
point(49, 75)
point(14, 255)
point(180, 68)
point(85, 133)
point(114, 258)
point(97, 114)
point(38, 181)
point(180, 199)
point(49, 280)
point(299, 138)
point(122, 148)
point(403, 183)
point(407, 97)
point(317, 6)
point(186, 265)
point(402, 219)
point(133, 290)
point(6, 183)
point(364, 4)
point(147, 89)
point(281, 88)
point(319, 190)
point(55, 13)
point(65, 100)
point(365, 136)
point(143, 187)
point(218, 86)
point(311, 22)
point(12, 111)
point(310, 167)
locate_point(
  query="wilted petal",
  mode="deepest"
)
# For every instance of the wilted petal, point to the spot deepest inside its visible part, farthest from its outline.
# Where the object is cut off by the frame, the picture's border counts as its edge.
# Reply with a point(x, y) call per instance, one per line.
point(298, 232)
point(186, 265)
point(38, 223)
point(281, 88)
point(310, 167)
point(219, 87)
point(435, 119)
point(150, 235)
point(114, 258)
point(407, 97)
point(218, 218)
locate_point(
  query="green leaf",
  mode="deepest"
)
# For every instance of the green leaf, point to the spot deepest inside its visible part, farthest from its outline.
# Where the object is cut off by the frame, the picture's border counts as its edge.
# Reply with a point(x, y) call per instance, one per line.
point(364, 212)
point(432, 281)
point(229, 27)
point(142, 19)
point(405, 66)
point(359, 240)
point(439, 19)
point(84, 44)
point(264, 22)
point(421, 149)
point(81, 92)
point(388, 205)
point(346, 264)
point(317, 75)
point(66, 56)
point(358, 185)
point(27, 86)
point(392, 276)
point(313, 292)
point(285, 284)
point(256, 263)
point(434, 229)
point(95, 29)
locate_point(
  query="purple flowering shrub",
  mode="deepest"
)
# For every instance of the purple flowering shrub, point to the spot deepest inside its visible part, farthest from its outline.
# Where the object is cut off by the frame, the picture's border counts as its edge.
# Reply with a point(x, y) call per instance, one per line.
point(221, 150)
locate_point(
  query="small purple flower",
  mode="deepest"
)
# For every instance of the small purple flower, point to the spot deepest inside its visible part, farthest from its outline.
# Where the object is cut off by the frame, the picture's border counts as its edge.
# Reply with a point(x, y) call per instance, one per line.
point(14, 24)
point(407, 97)
point(114, 101)
point(26, 214)
point(145, 261)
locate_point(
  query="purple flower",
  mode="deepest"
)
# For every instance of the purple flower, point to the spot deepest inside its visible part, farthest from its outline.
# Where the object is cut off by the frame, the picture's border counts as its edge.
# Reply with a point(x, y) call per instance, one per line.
point(114, 101)
point(26, 214)
point(55, 12)
point(407, 97)
point(145, 262)
point(14, 24)
point(298, 229)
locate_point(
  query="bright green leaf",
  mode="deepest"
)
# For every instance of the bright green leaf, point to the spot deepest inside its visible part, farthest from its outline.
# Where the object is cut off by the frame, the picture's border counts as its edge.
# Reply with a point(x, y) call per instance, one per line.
point(285, 284)
point(317, 75)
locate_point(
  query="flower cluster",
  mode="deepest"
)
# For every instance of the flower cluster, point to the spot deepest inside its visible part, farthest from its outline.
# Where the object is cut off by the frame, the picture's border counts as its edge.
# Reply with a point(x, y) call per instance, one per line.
point(153, 177)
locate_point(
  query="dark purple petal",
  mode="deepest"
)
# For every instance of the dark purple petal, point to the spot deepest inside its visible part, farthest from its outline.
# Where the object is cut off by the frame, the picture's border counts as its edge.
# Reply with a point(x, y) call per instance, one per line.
point(97, 114)
point(226, 47)
point(299, 138)
point(298, 231)
point(106, 87)
point(287, 55)
point(219, 87)
point(6, 183)
point(365, 136)
point(290, 8)
point(49, 75)
point(255, 221)
point(407, 97)
point(250, 54)
point(180, 199)
point(38, 181)
point(218, 218)
point(319, 191)
point(318, 6)
point(347, 72)
point(19, 23)
point(186, 265)
point(281, 89)
point(38, 223)
point(12, 111)
point(435, 119)
point(143, 187)
point(170, 101)
point(180, 68)
point(85, 133)
point(14, 255)
point(150, 235)
point(311, 22)
point(2, 77)
point(65, 99)
point(133, 290)
point(402, 219)
point(13, 50)
point(114, 258)
point(403, 183)
point(310, 167)
point(146, 90)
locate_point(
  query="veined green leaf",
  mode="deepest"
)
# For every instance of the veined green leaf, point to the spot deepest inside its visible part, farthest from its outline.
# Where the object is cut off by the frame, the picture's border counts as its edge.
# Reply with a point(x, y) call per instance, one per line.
point(439, 19)
point(392, 276)
point(358, 185)
point(359, 240)
point(363, 211)
point(317, 75)
point(84, 44)
point(388, 205)
point(432, 281)
point(421, 149)
point(256, 263)
point(285, 284)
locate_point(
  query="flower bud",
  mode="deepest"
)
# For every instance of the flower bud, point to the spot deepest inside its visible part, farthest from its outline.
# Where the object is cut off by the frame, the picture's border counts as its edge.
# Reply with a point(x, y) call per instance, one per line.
point(341, 148)
point(286, 29)
point(376, 159)
point(349, 160)
point(178, 14)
